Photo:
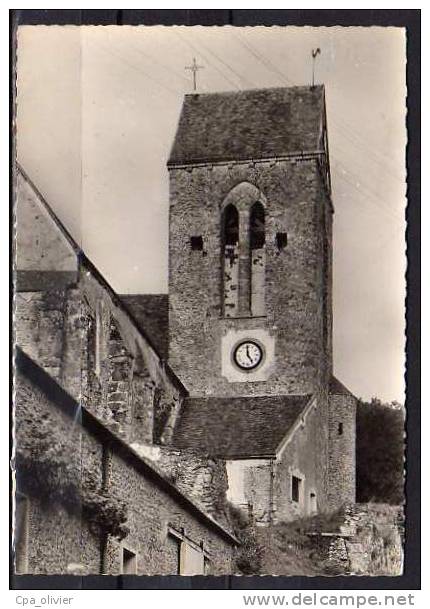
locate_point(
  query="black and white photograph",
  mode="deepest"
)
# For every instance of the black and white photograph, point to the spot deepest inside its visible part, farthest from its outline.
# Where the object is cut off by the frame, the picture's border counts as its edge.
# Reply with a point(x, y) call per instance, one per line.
point(209, 263)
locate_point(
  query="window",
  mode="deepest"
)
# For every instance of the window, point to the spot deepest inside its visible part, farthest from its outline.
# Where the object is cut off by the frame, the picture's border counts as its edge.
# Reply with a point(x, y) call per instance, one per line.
point(296, 484)
point(21, 533)
point(257, 259)
point(340, 429)
point(129, 562)
point(230, 262)
point(230, 225)
point(207, 566)
point(196, 243)
point(257, 228)
point(281, 240)
point(192, 558)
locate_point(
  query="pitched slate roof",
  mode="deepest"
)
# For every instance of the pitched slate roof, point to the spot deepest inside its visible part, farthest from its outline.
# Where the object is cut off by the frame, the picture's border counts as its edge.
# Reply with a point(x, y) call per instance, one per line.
point(151, 311)
point(237, 427)
point(253, 124)
point(337, 388)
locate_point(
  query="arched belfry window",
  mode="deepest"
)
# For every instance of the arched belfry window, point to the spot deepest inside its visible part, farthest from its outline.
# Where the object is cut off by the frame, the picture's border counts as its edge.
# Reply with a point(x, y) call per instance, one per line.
point(230, 246)
point(243, 251)
point(257, 258)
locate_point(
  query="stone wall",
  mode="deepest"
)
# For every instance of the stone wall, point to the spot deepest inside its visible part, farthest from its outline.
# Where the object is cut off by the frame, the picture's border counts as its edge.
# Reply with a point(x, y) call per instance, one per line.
point(296, 284)
point(39, 323)
point(263, 487)
point(199, 476)
point(341, 455)
point(137, 392)
point(305, 457)
point(368, 541)
point(82, 338)
point(69, 320)
point(39, 245)
point(89, 495)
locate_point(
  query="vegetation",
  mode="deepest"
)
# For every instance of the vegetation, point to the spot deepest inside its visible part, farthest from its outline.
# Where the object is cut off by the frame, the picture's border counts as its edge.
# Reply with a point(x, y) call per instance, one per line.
point(287, 548)
point(248, 558)
point(50, 467)
point(380, 452)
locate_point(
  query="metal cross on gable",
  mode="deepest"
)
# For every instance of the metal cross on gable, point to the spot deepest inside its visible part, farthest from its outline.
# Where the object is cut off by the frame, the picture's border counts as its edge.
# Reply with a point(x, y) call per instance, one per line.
point(194, 67)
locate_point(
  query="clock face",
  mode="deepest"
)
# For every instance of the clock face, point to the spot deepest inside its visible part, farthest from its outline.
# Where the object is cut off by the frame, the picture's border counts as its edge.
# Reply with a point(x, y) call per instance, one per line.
point(248, 355)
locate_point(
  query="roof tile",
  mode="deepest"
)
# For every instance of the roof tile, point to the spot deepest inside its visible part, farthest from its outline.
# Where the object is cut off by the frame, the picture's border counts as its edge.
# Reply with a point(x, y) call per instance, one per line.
point(237, 427)
point(253, 124)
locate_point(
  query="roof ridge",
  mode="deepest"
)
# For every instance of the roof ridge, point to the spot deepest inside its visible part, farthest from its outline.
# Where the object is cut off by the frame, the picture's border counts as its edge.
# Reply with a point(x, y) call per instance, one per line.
point(252, 90)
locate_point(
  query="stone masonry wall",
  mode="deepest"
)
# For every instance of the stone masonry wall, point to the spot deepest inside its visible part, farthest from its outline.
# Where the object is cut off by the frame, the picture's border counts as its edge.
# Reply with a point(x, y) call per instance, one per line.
point(39, 245)
point(201, 477)
point(342, 458)
point(305, 457)
point(267, 483)
point(369, 541)
point(67, 319)
point(39, 322)
point(117, 502)
point(132, 389)
point(294, 279)
point(151, 511)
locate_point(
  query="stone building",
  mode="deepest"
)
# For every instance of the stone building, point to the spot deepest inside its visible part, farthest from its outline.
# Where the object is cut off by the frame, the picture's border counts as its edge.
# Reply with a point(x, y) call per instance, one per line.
point(92, 397)
point(250, 299)
point(139, 418)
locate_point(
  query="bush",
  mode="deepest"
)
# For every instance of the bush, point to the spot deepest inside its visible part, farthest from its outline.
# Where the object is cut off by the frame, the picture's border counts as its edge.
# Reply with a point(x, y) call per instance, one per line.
point(380, 453)
point(249, 555)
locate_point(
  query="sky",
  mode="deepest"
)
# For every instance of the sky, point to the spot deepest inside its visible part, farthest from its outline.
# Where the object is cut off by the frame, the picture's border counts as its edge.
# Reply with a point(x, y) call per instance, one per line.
point(97, 109)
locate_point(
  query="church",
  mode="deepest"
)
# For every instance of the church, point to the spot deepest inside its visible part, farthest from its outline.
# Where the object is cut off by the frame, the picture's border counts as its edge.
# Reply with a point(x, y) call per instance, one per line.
point(220, 393)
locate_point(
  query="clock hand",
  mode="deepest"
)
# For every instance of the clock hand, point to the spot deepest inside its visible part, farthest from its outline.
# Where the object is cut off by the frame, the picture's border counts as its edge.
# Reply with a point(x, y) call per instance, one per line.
point(247, 354)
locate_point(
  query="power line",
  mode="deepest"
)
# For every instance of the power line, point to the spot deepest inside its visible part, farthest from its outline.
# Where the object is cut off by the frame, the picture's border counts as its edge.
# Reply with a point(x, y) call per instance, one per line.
point(363, 188)
point(266, 62)
point(365, 197)
point(134, 67)
point(198, 52)
point(372, 254)
point(224, 63)
point(166, 67)
point(338, 126)
point(369, 152)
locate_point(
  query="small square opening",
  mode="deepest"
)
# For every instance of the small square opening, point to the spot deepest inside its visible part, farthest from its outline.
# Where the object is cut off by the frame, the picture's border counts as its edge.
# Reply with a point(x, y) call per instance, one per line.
point(281, 240)
point(313, 503)
point(196, 243)
point(129, 562)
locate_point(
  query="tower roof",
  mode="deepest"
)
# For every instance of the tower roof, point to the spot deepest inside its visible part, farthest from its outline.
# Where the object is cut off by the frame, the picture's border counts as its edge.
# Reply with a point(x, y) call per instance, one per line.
point(253, 124)
point(338, 388)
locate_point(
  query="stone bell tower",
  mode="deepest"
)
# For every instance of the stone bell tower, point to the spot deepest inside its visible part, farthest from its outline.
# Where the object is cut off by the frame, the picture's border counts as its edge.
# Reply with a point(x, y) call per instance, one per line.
point(250, 244)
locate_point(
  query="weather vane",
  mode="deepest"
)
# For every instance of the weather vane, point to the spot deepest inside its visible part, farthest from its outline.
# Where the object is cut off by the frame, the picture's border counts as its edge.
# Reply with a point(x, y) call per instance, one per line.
point(194, 69)
point(315, 52)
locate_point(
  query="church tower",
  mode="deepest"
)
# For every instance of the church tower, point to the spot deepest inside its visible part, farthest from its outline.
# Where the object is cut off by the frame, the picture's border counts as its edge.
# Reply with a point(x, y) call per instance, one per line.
point(250, 244)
